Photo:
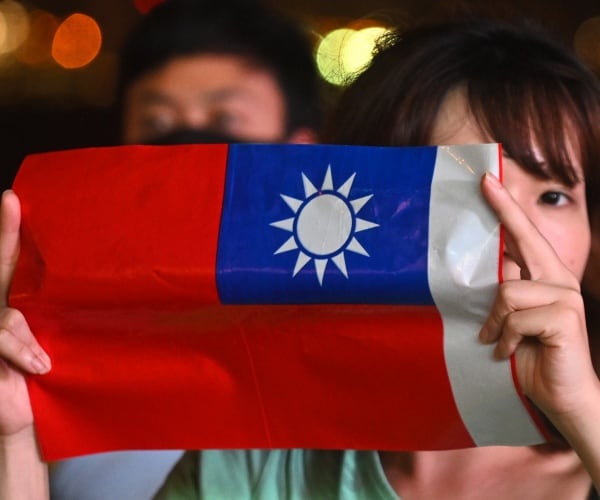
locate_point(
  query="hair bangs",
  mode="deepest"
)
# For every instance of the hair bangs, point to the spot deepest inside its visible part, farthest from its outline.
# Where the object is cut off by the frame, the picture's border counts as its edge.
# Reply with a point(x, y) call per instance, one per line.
point(537, 122)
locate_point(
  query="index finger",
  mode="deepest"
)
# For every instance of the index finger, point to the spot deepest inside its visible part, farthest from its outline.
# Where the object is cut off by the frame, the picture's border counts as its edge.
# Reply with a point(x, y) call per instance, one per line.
point(529, 248)
point(10, 222)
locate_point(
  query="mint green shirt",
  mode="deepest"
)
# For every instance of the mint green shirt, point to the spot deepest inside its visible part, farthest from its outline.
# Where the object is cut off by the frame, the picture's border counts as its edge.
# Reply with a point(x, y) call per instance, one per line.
point(277, 474)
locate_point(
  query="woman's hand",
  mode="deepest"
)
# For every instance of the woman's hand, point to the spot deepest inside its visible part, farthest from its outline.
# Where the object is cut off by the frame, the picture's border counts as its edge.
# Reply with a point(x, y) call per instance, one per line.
point(18, 348)
point(22, 473)
point(541, 320)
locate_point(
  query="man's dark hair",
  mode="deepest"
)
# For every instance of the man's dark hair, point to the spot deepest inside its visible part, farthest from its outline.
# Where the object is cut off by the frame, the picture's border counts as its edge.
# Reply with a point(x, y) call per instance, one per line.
point(244, 28)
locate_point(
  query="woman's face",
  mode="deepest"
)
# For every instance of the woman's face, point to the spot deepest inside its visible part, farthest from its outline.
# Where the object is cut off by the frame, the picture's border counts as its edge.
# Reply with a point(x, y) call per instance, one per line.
point(558, 211)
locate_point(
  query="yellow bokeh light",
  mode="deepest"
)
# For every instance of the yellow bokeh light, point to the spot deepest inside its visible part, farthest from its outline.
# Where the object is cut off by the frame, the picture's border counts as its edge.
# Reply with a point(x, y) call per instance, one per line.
point(77, 41)
point(15, 26)
point(344, 52)
point(357, 50)
point(329, 56)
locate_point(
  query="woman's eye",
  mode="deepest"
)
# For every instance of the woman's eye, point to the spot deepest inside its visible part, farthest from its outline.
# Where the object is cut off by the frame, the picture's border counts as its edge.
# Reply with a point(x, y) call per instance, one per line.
point(554, 198)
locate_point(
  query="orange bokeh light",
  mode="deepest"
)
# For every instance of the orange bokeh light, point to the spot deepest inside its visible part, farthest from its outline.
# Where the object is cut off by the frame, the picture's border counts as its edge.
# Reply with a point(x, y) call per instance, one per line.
point(77, 41)
point(37, 48)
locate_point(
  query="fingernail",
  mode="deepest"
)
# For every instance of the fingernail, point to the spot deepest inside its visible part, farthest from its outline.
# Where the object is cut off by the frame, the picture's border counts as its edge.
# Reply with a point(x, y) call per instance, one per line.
point(500, 355)
point(484, 336)
point(39, 365)
point(492, 179)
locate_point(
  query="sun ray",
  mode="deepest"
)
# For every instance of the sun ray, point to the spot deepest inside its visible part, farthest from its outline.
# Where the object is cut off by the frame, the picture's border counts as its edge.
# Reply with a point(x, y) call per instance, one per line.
point(345, 188)
point(290, 244)
point(363, 225)
point(360, 202)
point(309, 188)
point(285, 224)
point(301, 261)
point(293, 203)
point(327, 181)
point(356, 247)
point(320, 265)
point(340, 261)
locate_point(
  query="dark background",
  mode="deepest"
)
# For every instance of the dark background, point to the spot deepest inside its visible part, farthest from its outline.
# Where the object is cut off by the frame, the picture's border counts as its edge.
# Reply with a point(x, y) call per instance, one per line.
point(49, 108)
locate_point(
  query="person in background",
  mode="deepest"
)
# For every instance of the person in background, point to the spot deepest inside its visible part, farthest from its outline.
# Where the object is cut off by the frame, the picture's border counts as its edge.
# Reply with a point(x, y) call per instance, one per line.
point(198, 71)
point(234, 68)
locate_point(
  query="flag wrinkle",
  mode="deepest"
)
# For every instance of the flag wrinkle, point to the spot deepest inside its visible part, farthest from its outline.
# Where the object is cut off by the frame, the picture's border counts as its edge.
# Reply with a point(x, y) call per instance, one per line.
point(257, 388)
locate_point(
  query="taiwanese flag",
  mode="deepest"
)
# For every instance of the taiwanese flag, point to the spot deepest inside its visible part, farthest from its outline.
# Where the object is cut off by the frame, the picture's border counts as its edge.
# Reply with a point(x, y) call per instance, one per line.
point(264, 296)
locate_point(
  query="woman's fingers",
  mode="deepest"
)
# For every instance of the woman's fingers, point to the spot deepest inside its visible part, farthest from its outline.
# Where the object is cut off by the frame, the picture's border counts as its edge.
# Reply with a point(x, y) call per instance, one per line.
point(18, 345)
point(549, 323)
point(525, 243)
point(523, 295)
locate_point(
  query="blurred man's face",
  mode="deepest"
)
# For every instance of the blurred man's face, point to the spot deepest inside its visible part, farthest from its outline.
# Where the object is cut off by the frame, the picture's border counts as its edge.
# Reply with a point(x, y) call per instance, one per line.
point(221, 93)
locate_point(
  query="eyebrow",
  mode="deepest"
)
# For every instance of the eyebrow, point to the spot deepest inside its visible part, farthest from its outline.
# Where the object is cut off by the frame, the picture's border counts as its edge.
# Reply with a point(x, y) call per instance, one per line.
point(225, 94)
point(153, 97)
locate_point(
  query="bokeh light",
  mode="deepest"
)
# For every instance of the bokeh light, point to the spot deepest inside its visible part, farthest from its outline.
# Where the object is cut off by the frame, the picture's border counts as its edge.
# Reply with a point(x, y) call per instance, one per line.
point(77, 41)
point(329, 55)
point(14, 26)
point(358, 49)
point(37, 49)
point(587, 43)
point(344, 52)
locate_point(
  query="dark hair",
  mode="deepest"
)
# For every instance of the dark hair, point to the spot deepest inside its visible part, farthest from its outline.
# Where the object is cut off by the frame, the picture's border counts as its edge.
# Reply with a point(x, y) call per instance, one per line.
point(243, 28)
point(523, 88)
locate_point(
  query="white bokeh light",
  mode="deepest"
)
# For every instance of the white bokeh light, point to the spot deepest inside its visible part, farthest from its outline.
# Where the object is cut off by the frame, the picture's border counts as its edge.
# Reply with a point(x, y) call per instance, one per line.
point(15, 28)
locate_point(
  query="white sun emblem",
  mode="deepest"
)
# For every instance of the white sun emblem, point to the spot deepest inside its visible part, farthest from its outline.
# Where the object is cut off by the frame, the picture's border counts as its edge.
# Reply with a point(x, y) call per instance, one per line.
point(324, 225)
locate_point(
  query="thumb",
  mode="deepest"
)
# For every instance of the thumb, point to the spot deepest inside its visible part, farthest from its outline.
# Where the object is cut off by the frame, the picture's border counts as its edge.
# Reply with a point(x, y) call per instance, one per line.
point(10, 221)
